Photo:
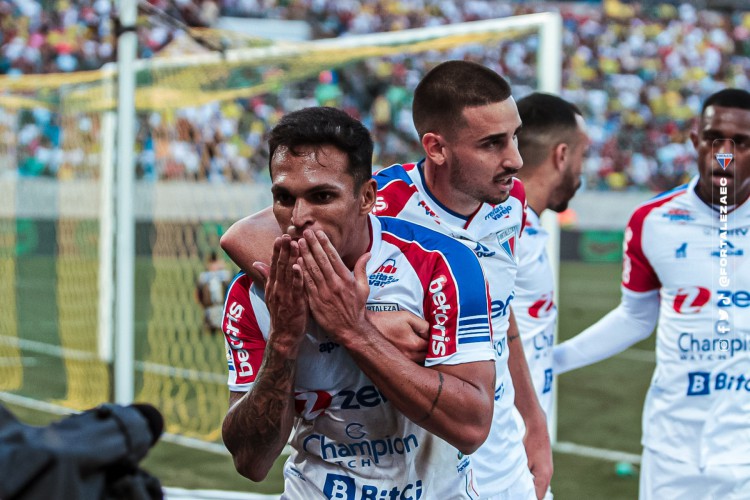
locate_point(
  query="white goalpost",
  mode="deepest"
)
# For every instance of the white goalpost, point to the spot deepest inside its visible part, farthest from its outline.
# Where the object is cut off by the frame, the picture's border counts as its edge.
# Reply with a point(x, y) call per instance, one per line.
point(549, 68)
point(108, 234)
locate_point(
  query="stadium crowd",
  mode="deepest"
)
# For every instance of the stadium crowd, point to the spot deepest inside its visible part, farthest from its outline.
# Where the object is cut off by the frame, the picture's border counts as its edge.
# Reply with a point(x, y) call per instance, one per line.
point(639, 74)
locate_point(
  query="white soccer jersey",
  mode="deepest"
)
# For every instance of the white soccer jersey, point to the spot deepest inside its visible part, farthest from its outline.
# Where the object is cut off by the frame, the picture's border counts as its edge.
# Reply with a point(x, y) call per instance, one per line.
point(349, 442)
point(698, 404)
point(492, 232)
point(534, 307)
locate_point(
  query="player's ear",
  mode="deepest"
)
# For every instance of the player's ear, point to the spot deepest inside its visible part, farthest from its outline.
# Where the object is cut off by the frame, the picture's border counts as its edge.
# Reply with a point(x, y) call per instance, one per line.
point(695, 139)
point(559, 154)
point(433, 145)
point(368, 194)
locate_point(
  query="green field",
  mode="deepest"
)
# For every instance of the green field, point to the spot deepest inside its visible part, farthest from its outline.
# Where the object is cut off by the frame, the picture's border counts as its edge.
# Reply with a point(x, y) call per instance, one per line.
point(599, 406)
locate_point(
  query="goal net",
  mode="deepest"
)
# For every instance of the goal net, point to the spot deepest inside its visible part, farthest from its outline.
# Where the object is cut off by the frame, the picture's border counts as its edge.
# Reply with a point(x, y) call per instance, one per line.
point(200, 164)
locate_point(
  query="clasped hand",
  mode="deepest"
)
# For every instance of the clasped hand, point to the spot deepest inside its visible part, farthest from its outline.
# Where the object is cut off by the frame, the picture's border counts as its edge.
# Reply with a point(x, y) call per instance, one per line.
point(336, 297)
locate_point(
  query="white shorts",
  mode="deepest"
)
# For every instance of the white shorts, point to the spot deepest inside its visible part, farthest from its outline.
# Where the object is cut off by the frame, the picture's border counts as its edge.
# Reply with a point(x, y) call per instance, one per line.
point(664, 477)
point(521, 489)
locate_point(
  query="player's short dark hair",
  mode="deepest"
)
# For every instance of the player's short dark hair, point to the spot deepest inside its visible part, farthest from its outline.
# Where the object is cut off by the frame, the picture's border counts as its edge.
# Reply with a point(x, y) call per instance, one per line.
point(448, 88)
point(728, 98)
point(546, 120)
point(321, 126)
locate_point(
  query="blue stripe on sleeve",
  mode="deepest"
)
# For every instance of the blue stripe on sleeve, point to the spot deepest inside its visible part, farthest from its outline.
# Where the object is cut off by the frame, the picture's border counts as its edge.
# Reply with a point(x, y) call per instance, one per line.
point(461, 260)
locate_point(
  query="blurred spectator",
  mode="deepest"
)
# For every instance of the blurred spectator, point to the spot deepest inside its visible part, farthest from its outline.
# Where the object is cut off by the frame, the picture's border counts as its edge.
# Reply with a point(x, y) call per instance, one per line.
point(638, 73)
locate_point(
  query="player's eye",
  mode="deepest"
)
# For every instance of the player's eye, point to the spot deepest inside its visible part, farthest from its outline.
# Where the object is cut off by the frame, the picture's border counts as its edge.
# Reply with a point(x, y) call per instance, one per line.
point(323, 197)
point(283, 198)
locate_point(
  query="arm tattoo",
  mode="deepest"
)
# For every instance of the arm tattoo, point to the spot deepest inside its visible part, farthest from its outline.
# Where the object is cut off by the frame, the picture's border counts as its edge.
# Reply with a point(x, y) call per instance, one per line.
point(434, 401)
point(511, 338)
point(261, 418)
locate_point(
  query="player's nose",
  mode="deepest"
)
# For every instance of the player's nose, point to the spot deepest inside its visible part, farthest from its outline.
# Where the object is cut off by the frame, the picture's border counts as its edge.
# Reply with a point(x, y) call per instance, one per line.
point(302, 215)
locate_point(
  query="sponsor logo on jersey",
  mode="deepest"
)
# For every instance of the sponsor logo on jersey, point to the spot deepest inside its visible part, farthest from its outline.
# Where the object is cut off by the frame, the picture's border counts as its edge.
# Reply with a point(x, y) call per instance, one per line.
point(547, 380)
point(678, 215)
point(499, 391)
point(367, 396)
point(355, 430)
point(500, 308)
point(702, 383)
point(384, 275)
point(694, 347)
point(483, 251)
point(380, 205)
point(427, 209)
point(507, 240)
point(728, 250)
point(327, 347)
point(382, 307)
point(529, 229)
point(543, 342)
point(681, 251)
point(499, 212)
point(441, 315)
point(464, 461)
point(339, 487)
point(367, 452)
point(690, 300)
point(733, 298)
point(238, 356)
point(311, 404)
point(736, 232)
point(542, 307)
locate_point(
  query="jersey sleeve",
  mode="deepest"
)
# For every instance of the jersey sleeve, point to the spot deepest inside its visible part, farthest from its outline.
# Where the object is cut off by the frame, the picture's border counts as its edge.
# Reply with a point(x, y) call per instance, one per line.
point(518, 191)
point(395, 189)
point(457, 307)
point(637, 273)
point(243, 336)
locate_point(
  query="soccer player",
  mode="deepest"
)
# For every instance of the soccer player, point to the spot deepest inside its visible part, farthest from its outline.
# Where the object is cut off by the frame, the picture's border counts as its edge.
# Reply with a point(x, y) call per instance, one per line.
point(553, 142)
point(465, 187)
point(686, 264)
point(210, 289)
point(368, 422)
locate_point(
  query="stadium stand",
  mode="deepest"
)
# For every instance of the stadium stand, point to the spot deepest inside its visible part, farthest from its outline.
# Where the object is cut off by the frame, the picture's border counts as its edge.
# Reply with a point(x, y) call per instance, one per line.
point(639, 73)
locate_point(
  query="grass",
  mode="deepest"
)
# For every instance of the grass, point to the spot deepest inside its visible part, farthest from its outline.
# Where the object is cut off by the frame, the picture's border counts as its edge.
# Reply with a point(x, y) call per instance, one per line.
point(598, 406)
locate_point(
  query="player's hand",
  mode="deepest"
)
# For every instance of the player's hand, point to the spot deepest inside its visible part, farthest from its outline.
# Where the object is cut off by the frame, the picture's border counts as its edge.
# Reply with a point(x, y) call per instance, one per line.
point(337, 298)
point(285, 295)
point(539, 454)
point(407, 331)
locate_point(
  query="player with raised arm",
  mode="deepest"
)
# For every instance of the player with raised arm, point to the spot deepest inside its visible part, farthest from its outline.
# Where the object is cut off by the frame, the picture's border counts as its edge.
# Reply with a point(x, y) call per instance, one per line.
point(368, 422)
point(465, 188)
point(686, 266)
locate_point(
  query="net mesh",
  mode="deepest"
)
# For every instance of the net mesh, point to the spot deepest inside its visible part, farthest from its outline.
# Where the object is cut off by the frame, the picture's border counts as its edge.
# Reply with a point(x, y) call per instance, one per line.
point(201, 120)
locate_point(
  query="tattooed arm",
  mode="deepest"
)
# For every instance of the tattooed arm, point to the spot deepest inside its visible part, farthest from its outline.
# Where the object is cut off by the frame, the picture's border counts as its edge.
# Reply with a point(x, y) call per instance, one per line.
point(258, 423)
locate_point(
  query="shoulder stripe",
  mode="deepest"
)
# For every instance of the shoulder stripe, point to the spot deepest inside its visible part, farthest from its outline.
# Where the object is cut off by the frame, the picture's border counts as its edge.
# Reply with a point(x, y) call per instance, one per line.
point(395, 189)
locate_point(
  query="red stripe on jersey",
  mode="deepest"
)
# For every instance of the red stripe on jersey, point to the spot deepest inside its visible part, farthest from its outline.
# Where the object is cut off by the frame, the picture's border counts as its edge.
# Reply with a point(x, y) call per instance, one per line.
point(393, 197)
point(440, 301)
point(241, 331)
point(518, 191)
point(637, 273)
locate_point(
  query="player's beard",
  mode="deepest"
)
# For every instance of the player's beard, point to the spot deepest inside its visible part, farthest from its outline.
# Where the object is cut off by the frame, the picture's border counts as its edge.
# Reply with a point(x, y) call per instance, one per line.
point(568, 187)
point(462, 181)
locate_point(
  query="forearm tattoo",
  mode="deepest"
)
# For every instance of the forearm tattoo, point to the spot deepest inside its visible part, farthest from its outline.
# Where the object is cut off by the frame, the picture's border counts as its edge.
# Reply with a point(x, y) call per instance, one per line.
point(434, 401)
point(262, 417)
